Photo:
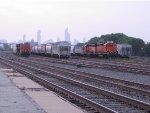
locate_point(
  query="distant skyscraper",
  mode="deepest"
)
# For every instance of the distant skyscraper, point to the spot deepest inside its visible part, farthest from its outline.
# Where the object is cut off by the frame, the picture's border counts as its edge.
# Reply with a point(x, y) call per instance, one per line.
point(58, 39)
point(24, 38)
point(83, 39)
point(67, 35)
point(39, 37)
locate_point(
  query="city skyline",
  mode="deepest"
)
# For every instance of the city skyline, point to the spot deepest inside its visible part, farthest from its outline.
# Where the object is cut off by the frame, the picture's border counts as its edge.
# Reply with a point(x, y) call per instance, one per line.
point(84, 19)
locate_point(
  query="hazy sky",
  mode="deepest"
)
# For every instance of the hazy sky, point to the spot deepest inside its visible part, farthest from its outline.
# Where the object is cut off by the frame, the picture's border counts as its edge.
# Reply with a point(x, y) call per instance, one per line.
point(84, 18)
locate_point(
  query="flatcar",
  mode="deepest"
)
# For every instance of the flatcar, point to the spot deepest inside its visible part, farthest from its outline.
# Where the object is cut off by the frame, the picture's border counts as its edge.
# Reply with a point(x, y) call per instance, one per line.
point(22, 49)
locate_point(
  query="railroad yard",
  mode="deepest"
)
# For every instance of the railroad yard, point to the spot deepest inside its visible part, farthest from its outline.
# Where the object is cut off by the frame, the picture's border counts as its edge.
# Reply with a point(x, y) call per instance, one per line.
point(94, 85)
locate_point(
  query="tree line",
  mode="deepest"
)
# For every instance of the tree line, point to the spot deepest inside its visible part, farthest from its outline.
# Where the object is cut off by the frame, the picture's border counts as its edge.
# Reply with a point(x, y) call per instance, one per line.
point(139, 47)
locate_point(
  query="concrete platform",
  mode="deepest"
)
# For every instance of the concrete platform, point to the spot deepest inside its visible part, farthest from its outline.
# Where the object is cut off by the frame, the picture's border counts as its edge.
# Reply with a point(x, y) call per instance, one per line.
point(12, 100)
point(46, 99)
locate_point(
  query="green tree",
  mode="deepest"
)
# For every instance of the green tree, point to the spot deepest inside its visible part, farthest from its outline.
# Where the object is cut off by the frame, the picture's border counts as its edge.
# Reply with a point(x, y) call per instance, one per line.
point(137, 46)
point(147, 49)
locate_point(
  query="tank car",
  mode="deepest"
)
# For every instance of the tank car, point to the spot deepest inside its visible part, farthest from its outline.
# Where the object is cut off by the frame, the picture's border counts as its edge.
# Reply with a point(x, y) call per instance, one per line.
point(61, 49)
point(72, 50)
point(14, 47)
point(48, 49)
point(43, 49)
point(34, 50)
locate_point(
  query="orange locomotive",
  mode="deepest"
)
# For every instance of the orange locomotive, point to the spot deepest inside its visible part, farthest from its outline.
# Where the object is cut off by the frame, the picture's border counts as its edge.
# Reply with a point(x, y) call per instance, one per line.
point(89, 49)
point(23, 49)
point(106, 49)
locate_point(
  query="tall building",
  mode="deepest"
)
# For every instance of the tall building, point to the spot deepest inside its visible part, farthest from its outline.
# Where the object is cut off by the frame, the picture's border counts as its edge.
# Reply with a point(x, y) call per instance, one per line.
point(39, 37)
point(58, 39)
point(84, 40)
point(24, 38)
point(67, 35)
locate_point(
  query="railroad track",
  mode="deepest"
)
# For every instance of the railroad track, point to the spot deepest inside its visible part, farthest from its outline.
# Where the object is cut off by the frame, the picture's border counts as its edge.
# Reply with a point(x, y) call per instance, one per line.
point(116, 61)
point(101, 78)
point(137, 61)
point(111, 66)
point(105, 80)
point(122, 102)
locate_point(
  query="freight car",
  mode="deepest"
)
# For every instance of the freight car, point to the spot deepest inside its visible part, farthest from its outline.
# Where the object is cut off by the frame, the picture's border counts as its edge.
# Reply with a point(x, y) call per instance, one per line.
point(79, 49)
point(61, 49)
point(124, 50)
point(22, 49)
point(43, 49)
point(48, 49)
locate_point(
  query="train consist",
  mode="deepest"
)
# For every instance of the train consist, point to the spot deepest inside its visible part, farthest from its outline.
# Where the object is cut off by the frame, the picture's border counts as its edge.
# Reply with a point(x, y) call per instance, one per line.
point(108, 49)
point(65, 49)
point(57, 49)
point(22, 49)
